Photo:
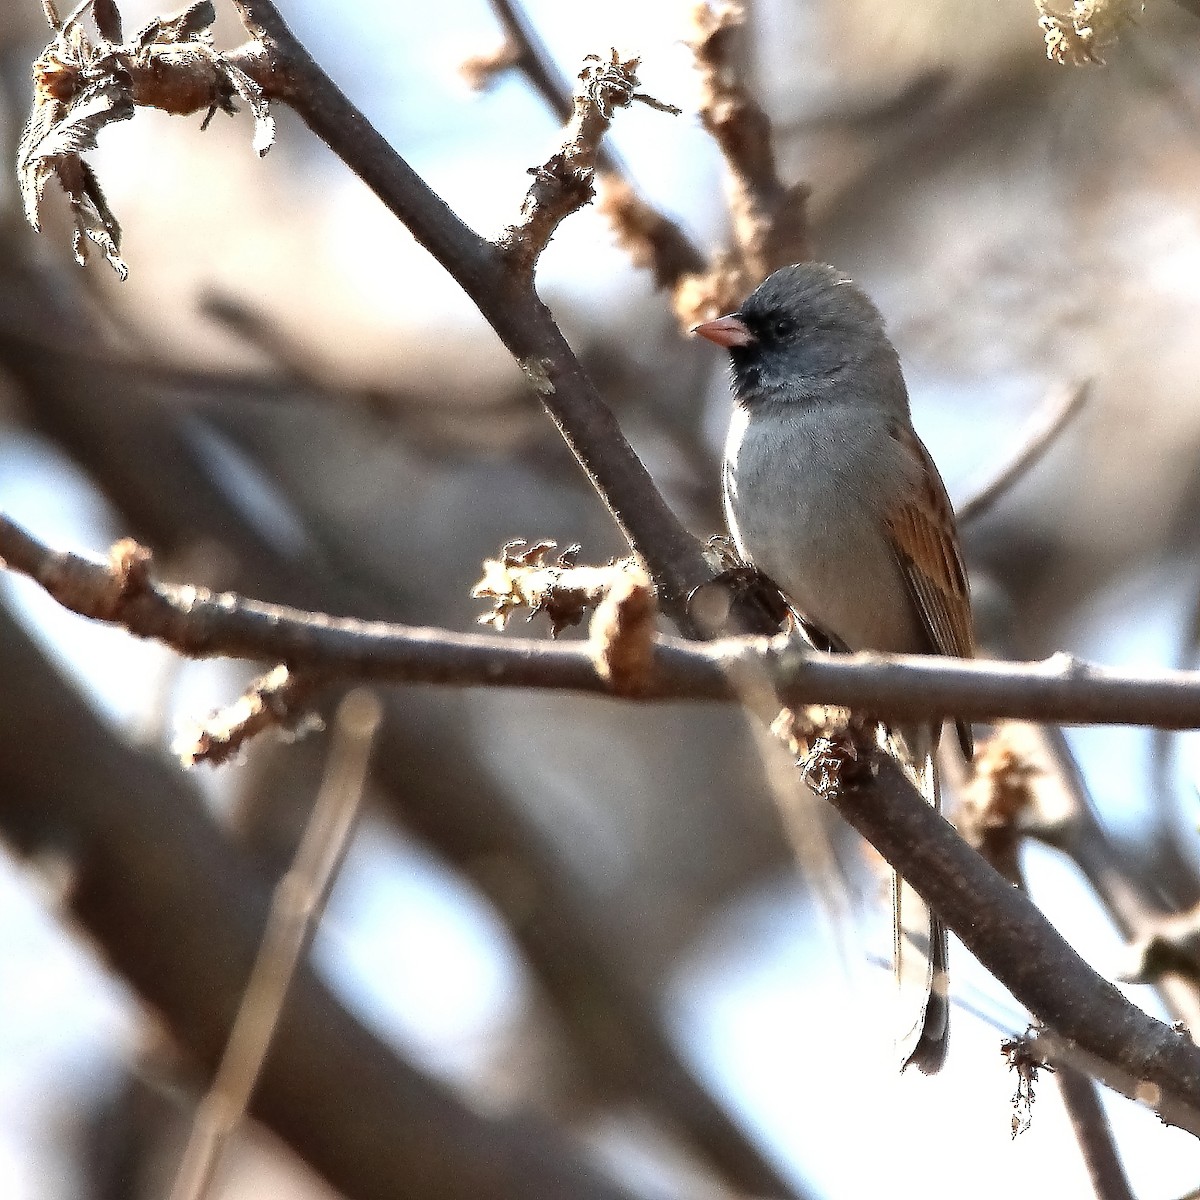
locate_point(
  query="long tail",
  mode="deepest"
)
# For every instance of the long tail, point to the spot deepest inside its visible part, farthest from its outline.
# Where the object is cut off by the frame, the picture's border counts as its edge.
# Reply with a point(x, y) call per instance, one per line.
point(919, 947)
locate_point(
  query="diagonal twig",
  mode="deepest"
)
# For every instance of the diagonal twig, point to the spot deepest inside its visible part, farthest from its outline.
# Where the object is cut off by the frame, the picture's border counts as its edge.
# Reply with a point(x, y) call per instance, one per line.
point(648, 235)
point(296, 908)
point(1052, 418)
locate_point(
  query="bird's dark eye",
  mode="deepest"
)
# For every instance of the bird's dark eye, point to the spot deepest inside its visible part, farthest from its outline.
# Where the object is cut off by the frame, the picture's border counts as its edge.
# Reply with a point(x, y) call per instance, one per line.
point(783, 327)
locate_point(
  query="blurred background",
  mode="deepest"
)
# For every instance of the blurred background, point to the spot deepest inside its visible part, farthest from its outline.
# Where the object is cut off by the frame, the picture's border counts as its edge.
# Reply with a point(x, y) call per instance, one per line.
point(573, 915)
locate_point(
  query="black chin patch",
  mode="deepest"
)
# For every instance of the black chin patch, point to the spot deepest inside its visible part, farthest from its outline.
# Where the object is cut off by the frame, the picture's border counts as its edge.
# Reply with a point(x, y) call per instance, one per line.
point(746, 377)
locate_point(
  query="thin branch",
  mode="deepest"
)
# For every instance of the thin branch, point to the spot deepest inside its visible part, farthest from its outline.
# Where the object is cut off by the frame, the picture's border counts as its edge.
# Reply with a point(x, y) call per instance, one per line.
point(651, 238)
point(296, 908)
point(563, 183)
point(1093, 1134)
point(998, 800)
point(1141, 1057)
point(203, 624)
point(1052, 418)
point(527, 53)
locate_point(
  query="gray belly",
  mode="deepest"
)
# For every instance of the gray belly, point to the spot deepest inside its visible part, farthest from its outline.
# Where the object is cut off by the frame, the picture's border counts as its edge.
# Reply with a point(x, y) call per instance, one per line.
point(798, 511)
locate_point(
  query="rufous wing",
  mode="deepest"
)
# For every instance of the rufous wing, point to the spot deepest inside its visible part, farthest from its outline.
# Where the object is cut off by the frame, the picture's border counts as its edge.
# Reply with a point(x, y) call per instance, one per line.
point(924, 537)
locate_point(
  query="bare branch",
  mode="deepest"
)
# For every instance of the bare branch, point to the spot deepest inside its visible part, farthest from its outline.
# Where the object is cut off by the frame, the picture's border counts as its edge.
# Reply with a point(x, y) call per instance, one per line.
point(202, 624)
point(1144, 1058)
point(770, 219)
point(296, 908)
point(1063, 816)
point(1052, 418)
point(564, 182)
point(651, 238)
point(287, 72)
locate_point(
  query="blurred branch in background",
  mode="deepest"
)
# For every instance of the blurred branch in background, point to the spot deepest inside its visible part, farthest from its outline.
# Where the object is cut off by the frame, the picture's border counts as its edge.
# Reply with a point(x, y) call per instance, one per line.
point(296, 908)
point(163, 486)
point(179, 914)
point(1059, 411)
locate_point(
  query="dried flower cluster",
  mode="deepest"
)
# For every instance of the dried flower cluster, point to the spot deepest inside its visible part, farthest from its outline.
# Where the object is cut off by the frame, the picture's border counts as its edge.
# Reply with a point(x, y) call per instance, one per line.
point(1090, 27)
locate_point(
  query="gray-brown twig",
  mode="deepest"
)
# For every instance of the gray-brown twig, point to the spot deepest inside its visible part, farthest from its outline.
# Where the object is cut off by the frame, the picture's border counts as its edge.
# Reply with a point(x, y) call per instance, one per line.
point(1056, 414)
point(204, 624)
point(651, 238)
point(564, 182)
point(296, 908)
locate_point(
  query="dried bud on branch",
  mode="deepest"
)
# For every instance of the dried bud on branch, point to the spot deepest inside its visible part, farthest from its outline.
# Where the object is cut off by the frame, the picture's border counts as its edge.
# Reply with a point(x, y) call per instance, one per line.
point(525, 578)
point(996, 801)
point(1022, 1059)
point(623, 630)
point(280, 699)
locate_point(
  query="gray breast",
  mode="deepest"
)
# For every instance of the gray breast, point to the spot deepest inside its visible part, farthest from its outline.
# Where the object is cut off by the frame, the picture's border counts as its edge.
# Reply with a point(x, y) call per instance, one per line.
point(804, 497)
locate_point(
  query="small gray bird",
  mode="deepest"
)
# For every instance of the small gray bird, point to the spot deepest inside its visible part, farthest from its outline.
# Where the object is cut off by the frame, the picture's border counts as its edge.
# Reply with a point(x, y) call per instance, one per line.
point(829, 491)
